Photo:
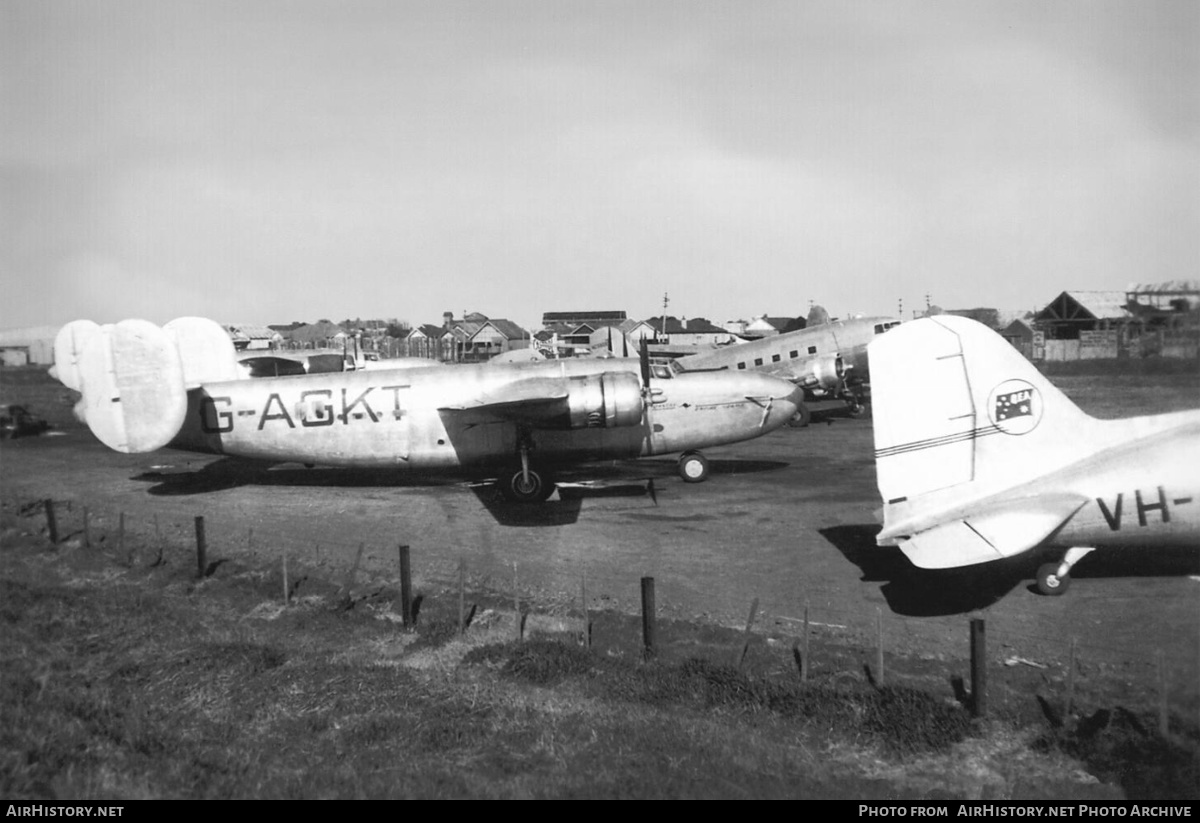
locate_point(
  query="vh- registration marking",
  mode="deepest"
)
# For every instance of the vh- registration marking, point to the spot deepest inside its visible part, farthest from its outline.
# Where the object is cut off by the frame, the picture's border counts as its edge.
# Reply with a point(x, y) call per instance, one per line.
point(1157, 501)
point(313, 408)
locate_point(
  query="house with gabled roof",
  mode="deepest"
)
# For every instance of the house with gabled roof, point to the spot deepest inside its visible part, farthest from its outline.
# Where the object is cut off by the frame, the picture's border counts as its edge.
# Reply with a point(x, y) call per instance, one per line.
point(319, 335)
point(248, 337)
point(763, 326)
point(477, 337)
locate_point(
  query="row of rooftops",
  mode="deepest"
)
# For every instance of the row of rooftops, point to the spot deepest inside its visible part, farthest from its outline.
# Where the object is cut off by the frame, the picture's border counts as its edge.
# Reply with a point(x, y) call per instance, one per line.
point(1079, 306)
point(563, 324)
point(1069, 306)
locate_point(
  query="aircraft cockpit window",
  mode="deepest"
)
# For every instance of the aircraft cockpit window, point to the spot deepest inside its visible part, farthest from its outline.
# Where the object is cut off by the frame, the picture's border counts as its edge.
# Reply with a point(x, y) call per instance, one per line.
point(663, 371)
point(880, 328)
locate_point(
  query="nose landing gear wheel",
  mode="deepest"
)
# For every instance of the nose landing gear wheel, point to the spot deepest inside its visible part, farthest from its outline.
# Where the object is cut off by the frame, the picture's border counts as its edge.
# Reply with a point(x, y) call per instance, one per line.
point(693, 467)
point(1050, 582)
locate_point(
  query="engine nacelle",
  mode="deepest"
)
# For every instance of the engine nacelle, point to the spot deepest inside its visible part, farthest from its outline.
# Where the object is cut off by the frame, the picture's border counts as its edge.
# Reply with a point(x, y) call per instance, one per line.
point(606, 401)
point(826, 373)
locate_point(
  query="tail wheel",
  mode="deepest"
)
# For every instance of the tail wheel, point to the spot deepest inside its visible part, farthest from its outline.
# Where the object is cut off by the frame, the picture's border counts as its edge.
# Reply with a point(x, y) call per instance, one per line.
point(516, 487)
point(693, 467)
point(1050, 582)
point(801, 418)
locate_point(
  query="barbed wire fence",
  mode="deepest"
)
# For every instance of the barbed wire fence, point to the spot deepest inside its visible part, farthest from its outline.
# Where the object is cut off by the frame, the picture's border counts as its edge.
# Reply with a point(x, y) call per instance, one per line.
point(1076, 666)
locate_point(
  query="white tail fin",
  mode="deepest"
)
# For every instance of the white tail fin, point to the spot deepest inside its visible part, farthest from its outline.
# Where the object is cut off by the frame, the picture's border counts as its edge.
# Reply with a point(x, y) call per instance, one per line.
point(205, 349)
point(69, 343)
point(958, 413)
point(134, 376)
point(131, 379)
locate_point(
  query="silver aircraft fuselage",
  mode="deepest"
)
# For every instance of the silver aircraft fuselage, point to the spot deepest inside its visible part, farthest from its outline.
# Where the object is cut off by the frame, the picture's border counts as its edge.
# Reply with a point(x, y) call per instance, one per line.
point(432, 420)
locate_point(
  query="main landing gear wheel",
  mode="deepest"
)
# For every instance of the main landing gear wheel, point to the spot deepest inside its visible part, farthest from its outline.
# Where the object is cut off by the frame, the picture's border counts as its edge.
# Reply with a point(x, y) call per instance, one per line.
point(859, 411)
point(1050, 582)
point(693, 467)
point(801, 418)
point(518, 487)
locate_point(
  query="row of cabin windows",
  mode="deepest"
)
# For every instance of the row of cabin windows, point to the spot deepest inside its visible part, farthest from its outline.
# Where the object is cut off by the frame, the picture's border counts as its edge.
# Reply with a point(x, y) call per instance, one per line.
point(775, 358)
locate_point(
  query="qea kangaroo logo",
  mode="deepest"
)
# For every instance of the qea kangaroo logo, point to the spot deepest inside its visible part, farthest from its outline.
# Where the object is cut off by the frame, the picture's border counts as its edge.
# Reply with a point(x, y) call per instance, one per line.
point(1015, 407)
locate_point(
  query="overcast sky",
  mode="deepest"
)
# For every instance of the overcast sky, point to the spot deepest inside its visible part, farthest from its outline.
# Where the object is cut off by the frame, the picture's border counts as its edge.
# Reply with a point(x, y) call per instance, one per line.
point(264, 162)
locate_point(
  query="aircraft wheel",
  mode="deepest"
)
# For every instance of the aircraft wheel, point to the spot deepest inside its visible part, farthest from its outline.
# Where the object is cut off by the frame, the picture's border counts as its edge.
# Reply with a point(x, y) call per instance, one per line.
point(860, 411)
point(693, 467)
point(801, 418)
point(1049, 582)
point(516, 489)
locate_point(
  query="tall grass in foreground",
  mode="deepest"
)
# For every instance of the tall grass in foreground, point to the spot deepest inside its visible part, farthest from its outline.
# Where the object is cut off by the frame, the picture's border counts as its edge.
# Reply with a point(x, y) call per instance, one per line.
point(129, 682)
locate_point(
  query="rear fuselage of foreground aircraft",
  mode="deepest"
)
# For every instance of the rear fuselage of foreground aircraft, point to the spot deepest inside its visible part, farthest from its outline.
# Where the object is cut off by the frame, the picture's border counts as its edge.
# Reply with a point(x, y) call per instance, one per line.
point(144, 387)
point(827, 360)
point(992, 460)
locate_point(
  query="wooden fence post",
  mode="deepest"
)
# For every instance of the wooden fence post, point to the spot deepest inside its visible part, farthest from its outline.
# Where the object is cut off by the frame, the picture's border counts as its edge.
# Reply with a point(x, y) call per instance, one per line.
point(1070, 680)
point(746, 636)
point(51, 521)
point(462, 595)
point(879, 644)
point(406, 615)
point(587, 621)
point(520, 623)
point(648, 627)
point(1163, 724)
point(201, 547)
point(804, 664)
point(978, 668)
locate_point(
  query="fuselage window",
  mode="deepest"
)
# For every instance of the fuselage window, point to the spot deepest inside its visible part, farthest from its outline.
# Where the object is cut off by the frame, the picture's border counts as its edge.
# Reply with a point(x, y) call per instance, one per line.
point(758, 361)
point(793, 354)
point(774, 358)
point(812, 349)
point(741, 365)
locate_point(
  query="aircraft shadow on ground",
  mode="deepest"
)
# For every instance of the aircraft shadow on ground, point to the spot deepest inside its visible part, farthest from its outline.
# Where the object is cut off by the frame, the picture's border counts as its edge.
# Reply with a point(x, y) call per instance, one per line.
point(231, 473)
point(561, 512)
point(1166, 561)
point(666, 468)
point(924, 592)
point(931, 592)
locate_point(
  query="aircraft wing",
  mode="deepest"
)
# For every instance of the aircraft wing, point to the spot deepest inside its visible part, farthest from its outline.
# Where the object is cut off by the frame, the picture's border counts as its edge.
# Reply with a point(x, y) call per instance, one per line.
point(991, 533)
point(531, 400)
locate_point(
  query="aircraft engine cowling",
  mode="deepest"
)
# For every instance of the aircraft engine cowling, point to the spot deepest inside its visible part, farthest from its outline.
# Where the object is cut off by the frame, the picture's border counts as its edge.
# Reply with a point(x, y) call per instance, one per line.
point(606, 400)
point(827, 373)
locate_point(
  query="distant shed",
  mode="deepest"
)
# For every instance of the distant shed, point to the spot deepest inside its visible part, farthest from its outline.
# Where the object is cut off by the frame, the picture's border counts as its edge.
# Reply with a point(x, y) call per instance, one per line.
point(1021, 335)
point(1073, 312)
point(33, 346)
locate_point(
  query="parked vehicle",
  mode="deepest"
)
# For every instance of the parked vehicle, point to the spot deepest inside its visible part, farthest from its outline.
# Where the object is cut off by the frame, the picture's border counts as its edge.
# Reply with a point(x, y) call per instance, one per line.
point(17, 421)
